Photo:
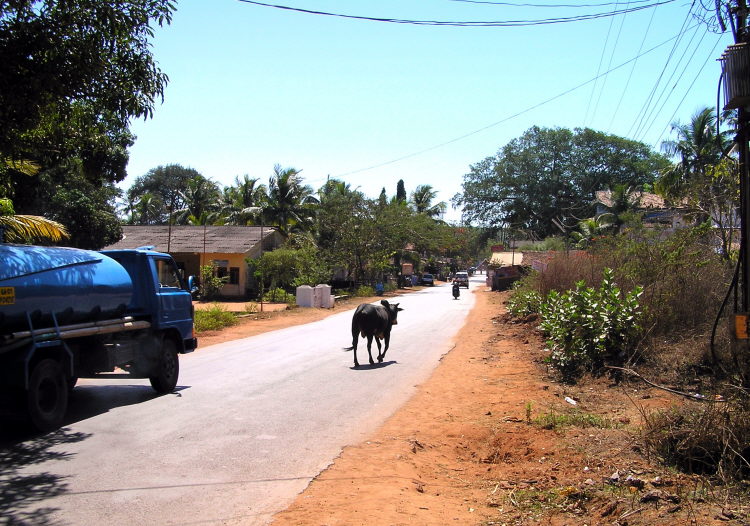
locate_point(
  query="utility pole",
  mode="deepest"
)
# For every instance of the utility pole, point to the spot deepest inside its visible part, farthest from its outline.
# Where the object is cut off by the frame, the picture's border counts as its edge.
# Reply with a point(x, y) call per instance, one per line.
point(735, 64)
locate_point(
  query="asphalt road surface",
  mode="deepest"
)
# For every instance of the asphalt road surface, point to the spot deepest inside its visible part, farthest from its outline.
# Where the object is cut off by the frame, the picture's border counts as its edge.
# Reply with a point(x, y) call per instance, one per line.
point(251, 423)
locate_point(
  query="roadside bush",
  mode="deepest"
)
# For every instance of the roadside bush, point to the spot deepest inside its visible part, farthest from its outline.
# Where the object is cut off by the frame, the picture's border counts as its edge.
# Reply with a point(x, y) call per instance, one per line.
point(710, 439)
point(214, 318)
point(278, 295)
point(683, 277)
point(588, 328)
point(210, 283)
point(364, 291)
point(524, 300)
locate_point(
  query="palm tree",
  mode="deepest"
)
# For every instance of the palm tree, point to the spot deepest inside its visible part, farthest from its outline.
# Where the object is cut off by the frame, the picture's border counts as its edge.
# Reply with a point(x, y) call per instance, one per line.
point(421, 200)
point(589, 229)
point(19, 228)
point(241, 201)
point(290, 202)
point(201, 198)
point(697, 147)
point(625, 201)
point(147, 209)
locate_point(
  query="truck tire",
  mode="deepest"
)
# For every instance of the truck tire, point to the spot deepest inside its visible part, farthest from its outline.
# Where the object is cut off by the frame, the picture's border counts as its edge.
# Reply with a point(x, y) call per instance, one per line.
point(165, 376)
point(47, 397)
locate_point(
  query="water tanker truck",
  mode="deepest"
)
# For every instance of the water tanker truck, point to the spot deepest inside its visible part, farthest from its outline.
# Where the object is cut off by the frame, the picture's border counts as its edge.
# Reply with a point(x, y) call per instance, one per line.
point(67, 313)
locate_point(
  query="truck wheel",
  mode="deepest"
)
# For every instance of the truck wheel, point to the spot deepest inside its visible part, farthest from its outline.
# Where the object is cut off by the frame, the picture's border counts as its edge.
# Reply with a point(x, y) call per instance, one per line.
point(165, 377)
point(47, 397)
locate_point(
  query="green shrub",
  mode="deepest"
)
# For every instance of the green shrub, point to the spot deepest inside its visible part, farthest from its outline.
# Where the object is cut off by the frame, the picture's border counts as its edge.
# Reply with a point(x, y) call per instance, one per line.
point(214, 318)
point(210, 282)
point(588, 328)
point(523, 301)
point(364, 291)
point(277, 295)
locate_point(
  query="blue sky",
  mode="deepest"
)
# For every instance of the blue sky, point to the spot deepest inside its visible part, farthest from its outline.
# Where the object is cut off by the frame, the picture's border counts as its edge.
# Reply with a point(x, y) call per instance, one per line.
point(372, 102)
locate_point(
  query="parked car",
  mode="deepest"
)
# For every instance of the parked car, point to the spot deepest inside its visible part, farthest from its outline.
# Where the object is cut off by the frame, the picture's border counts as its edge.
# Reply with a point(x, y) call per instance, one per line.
point(427, 279)
point(462, 278)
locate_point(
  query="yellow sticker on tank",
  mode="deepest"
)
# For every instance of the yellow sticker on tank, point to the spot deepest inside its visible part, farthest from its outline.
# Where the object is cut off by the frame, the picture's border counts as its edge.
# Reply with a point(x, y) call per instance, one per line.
point(7, 295)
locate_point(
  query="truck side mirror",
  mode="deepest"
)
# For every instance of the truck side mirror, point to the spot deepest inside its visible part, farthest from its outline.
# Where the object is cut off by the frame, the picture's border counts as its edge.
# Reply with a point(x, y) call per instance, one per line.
point(192, 287)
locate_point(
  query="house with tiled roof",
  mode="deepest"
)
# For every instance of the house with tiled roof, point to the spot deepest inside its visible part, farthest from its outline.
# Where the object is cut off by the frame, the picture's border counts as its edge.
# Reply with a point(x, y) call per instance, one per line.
point(194, 246)
point(654, 209)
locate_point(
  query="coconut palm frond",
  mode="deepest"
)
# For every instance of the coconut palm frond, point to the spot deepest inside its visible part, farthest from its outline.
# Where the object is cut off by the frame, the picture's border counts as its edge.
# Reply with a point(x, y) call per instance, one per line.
point(32, 229)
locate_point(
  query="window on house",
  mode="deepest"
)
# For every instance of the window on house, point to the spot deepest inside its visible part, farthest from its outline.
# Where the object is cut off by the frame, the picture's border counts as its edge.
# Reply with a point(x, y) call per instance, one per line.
point(234, 275)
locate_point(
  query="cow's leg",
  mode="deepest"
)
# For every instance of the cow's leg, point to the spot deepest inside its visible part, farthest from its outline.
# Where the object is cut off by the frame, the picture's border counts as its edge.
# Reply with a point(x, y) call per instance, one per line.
point(355, 338)
point(387, 341)
point(377, 340)
point(369, 347)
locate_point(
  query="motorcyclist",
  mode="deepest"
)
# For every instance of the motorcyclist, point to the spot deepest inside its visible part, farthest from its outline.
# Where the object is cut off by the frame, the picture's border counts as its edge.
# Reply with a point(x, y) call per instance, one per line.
point(456, 290)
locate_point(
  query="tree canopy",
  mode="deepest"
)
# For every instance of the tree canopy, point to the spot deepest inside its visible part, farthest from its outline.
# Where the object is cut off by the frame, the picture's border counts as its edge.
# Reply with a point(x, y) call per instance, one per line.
point(72, 75)
point(552, 173)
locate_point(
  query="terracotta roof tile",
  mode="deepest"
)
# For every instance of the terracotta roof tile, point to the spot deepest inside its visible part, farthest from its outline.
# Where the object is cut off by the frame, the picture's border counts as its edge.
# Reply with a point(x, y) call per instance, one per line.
point(215, 239)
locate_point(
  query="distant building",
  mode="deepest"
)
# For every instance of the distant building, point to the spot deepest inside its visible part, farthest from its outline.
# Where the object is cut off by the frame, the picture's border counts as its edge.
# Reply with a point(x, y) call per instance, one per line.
point(655, 210)
point(194, 246)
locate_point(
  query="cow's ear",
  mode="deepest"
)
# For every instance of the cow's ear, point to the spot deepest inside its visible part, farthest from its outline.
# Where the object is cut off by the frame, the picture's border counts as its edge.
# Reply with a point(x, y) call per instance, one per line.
point(396, 306)
point(384, 303)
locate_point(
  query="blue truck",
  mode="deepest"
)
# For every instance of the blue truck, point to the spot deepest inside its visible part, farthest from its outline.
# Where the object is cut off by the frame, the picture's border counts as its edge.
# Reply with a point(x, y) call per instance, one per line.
point(68, 313)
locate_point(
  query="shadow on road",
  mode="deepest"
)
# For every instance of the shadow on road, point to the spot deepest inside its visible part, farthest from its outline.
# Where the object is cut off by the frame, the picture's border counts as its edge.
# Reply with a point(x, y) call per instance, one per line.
point(20, 491)
point(366, 366)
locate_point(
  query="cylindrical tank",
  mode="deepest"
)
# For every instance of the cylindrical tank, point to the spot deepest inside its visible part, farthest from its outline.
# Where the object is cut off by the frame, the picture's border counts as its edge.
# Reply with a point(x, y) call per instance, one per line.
point(75, 285)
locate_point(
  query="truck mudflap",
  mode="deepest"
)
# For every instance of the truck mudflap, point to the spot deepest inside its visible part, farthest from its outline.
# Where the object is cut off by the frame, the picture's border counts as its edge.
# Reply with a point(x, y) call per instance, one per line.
point(189, 345)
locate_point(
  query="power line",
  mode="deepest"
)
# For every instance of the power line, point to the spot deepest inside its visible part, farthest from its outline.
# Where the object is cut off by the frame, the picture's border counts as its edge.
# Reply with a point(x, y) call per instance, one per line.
point(630, 76)
point(639, 121)
point(599, 67)
point(510, 117)
point(664, 92)
point(489, 23)
point(710, 55)
point(516, 4)
point(609, 64)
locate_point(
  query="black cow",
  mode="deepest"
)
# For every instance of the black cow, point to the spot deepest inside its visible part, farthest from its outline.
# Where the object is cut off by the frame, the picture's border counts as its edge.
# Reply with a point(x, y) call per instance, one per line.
point(374, 321)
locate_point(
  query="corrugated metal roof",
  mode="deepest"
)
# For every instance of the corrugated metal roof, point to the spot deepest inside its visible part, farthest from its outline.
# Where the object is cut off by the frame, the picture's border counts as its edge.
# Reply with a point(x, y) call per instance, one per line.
point(196, 239)
point(506, 259)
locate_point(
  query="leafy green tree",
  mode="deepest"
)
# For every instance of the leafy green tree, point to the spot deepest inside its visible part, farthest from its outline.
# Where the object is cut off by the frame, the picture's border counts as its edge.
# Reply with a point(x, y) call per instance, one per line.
point(551, 174)
point(163, 187)
point(88, 215)
point(55, 55)
point(74, 73)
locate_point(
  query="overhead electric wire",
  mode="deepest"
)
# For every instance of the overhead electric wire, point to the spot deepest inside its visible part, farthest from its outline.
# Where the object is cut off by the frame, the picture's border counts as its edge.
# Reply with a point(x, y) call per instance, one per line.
point(644, 109)
point(695, 79)
point(520, 4)
point(655, 112)
point(513, 116)
point(609, 64)
point(599, 67)
point(632, 69)
point(486, 23)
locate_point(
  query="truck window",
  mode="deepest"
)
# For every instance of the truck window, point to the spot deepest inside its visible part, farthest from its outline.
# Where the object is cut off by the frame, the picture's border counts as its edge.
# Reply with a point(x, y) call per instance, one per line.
point(167, 272)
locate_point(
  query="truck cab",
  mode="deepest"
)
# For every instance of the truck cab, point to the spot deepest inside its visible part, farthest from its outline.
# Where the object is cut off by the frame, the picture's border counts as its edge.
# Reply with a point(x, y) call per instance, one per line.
point(160, 296)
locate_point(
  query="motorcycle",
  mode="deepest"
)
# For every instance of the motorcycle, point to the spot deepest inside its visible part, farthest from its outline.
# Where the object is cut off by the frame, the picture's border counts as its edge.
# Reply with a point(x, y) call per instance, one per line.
point(456, 291)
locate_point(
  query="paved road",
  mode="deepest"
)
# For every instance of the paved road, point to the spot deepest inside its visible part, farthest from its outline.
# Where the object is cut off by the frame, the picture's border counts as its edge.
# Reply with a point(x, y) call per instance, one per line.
point(252, 422)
